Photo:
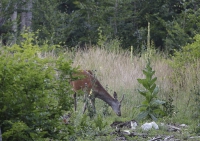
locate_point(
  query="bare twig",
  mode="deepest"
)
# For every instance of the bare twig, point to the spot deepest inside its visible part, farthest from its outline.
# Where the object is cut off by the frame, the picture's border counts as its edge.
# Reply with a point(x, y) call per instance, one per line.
point(155, 139)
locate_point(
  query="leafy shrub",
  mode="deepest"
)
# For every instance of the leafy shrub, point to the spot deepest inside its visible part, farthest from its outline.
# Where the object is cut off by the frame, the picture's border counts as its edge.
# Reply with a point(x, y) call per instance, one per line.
point(188, 54)
point(176, 36)
point(31, 98)
point(183, 59)
point(151, 106)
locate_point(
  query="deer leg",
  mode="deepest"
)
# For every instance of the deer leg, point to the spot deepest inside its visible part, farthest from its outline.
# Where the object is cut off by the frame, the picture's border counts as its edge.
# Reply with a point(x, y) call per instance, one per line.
point(93, 104)
point(85, 103)
point(84, 107)
point(75, 101)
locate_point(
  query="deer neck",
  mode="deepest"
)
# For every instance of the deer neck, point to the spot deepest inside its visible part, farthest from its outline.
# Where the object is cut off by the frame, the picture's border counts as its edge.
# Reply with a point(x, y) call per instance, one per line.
point(101, 93)
point(105, 96)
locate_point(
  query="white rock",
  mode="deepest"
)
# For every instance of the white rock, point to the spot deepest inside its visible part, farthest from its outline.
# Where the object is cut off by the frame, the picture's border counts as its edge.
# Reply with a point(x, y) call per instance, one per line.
point(155, 126)
point(148, 126)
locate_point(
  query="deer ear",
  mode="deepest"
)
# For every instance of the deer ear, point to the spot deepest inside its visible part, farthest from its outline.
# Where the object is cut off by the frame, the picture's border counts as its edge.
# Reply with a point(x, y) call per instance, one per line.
point(122, 98)
point(115, 95)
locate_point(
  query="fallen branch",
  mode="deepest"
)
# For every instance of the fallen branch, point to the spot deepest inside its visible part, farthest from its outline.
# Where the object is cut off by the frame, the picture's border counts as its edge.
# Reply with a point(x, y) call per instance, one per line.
point(168, 138)
point(173, 128)
point(155, 139)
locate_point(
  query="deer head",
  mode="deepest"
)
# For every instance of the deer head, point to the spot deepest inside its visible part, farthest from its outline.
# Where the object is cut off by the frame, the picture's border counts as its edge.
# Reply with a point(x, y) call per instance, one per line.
point(116, 105)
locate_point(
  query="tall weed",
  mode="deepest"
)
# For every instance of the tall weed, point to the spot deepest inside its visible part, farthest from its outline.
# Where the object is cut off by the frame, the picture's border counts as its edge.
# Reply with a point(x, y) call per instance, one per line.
point(151, 106)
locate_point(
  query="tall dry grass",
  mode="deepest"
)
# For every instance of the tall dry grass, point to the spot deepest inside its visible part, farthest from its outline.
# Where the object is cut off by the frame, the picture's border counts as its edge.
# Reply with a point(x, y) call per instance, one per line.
point(117, 71)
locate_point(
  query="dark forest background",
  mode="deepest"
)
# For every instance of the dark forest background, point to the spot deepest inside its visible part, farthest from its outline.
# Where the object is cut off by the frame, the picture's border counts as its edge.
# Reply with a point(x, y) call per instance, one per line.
point(77, 23)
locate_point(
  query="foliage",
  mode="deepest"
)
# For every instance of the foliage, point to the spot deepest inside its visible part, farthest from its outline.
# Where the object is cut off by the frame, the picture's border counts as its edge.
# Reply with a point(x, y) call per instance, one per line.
point(87, 101)
point(105, 109)
point(188, 56)
point(98, 122)
point(176, 36)
point(151, 107)
point(6, 9)
point(195, 107)
point(101, 39)
point(31, 97)
point(169, 107)
point(49, 21)
point(75, 23)
point(83, 23)
point(172, 22)
point(87, 128)
point(112, 45)
point(181, 30)
point(84, 126)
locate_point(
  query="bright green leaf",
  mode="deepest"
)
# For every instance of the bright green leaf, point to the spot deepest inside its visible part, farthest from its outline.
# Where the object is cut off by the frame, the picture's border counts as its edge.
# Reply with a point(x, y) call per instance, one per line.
point(143, 92)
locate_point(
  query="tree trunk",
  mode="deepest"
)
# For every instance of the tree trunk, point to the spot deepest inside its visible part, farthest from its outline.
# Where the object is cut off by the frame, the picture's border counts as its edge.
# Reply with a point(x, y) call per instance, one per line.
point(14, 19)
point(26, 15)
point(29, 15)
point(115, 18)
point(1, 16)
point(14, 23)
point(23, 19)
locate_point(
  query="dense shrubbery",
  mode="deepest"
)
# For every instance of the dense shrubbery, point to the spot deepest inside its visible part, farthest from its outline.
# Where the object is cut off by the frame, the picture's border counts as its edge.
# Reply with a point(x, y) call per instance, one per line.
point(32, 99)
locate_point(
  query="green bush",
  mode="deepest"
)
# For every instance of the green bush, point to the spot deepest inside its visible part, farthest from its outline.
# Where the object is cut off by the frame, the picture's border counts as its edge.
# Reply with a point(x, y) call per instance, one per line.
point(183, 60)
point(187, 55)
point(32, 99)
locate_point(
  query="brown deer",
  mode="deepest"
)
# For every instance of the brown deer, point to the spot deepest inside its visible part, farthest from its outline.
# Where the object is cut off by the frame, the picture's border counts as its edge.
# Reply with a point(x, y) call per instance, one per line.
point(87, 81)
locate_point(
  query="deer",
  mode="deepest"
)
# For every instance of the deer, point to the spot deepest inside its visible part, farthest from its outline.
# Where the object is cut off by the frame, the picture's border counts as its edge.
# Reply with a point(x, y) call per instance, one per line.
point(87, 81)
